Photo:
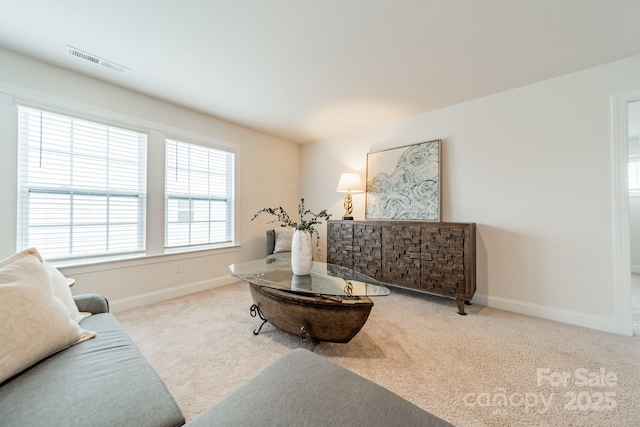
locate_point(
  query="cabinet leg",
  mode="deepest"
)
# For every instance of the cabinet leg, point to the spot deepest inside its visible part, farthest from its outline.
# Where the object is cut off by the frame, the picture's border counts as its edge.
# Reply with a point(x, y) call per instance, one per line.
point(461, 304)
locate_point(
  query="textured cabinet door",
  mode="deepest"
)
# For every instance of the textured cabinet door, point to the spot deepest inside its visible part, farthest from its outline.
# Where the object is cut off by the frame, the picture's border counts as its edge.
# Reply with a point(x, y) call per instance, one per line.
point(367, 249)
point(340, 243)
point(445, 251)
point(401, 254)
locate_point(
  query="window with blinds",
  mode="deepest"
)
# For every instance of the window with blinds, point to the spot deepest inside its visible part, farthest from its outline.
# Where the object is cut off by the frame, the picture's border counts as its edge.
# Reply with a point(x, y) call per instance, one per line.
point(82, 187)
point(199, 195)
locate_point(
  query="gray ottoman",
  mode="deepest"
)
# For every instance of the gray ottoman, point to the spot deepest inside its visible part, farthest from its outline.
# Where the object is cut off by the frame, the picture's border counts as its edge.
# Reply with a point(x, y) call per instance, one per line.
point(304, 389)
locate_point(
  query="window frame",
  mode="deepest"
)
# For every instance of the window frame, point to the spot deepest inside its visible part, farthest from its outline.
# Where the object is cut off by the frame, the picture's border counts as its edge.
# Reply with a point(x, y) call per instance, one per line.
point(73, 190)
point(157, 133)
point(230, 199)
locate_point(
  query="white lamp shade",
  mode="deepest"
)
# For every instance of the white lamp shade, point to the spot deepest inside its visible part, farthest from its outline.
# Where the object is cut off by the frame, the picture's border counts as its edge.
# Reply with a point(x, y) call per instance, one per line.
point(350, 182)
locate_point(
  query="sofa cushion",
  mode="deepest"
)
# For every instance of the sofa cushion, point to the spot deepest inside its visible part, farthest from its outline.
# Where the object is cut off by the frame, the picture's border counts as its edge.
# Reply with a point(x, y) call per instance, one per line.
point(102, 382)
point(34, 323)
point(283, 237)
point(304, 389)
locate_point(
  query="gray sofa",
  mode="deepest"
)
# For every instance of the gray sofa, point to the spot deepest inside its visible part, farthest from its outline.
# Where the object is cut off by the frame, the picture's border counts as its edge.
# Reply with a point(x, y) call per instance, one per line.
point(270, 241)
point(106, 381)
point(271, 247)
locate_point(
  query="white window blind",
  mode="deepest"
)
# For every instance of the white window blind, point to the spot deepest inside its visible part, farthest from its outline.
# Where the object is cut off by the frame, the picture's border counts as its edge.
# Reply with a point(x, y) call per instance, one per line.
point(82, 186)
point(199, 195)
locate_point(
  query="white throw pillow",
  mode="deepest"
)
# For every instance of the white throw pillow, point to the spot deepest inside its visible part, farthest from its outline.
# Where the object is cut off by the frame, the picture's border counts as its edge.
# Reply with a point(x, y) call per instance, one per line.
point(34, 323)
point(283, 235)
point(62, 291)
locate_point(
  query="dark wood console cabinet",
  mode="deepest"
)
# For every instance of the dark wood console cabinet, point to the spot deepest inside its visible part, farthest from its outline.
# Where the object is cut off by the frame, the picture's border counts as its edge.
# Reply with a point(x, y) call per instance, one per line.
point(433, 257)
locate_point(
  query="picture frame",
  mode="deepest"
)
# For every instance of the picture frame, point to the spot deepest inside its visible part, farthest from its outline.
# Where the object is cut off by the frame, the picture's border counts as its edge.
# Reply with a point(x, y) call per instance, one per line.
point(403, 183)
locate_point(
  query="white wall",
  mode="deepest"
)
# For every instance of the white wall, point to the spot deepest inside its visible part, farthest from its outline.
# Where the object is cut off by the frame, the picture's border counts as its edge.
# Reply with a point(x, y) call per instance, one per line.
point(533, 168)
point(268, 175)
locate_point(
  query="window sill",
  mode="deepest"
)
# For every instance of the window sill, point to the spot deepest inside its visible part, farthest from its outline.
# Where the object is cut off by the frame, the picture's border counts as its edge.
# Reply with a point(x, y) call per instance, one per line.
point(134, 260)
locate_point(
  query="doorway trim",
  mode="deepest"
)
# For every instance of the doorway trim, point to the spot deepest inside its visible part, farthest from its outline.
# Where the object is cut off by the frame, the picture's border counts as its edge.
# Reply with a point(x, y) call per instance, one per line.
point(621, 241)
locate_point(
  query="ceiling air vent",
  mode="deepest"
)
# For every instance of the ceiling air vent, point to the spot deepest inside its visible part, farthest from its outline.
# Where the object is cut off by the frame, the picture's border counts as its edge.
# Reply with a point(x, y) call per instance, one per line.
point(96, 60)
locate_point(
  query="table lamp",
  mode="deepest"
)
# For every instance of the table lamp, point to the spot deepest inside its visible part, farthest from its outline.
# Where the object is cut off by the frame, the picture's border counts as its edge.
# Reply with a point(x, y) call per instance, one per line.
point(349, 183)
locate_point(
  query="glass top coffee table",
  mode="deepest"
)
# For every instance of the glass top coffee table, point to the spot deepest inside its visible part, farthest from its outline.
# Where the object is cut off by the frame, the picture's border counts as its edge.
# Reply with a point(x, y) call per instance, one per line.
point(330, 304)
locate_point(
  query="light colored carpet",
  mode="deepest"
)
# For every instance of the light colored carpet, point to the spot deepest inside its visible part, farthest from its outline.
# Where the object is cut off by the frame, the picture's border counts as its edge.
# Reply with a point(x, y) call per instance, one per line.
point(457, 367)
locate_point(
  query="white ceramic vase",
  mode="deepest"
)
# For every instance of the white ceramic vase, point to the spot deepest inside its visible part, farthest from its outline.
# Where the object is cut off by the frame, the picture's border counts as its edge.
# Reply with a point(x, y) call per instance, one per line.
point(301, 253)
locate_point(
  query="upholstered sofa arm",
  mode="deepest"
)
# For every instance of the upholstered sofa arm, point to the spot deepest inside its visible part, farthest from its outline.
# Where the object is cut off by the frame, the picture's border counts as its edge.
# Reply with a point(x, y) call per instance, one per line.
point(271, 241)
point(92, 303)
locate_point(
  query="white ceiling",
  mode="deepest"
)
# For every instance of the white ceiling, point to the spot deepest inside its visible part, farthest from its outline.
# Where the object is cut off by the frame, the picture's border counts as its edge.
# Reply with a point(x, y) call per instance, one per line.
point(305, 70)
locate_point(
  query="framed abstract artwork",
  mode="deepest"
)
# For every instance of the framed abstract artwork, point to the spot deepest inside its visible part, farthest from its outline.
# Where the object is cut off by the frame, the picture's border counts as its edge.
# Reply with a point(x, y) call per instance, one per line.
point(404, 182)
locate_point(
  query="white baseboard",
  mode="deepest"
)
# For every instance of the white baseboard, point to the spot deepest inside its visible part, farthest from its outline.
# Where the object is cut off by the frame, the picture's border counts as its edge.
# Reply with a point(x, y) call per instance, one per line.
point(550, 313)
point(544, 312)
point(168, 293)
